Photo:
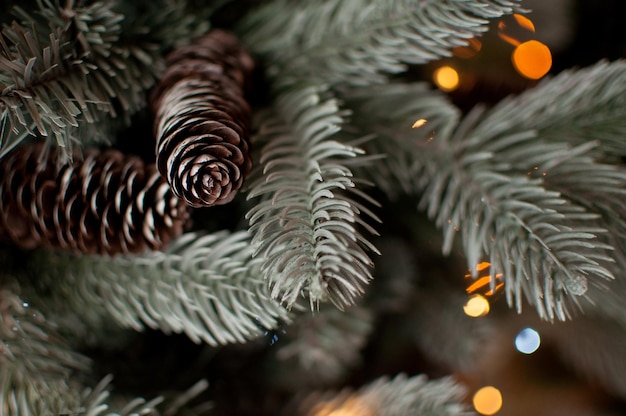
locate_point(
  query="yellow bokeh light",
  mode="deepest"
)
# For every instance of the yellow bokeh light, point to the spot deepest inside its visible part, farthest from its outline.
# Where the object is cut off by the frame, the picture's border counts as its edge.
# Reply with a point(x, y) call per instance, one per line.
point(446, 78)
point(532, 59)
point(353, 406)
point(419, 123)
point(476, 306)
point(487, 401)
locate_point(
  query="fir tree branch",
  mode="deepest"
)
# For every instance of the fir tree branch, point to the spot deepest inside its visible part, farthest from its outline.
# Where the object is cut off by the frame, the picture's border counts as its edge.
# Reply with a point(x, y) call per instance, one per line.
point(478, 181)
point(575, 107)
point(594, 348)
point(306, 223)
point(400, 396)
point(359, 42)
point(319, 349)
point(206, 286)
point(97, 402)
point(37, 369)
point(39, 372)
point(166, 24)
point(64, 69)
point(445, 335)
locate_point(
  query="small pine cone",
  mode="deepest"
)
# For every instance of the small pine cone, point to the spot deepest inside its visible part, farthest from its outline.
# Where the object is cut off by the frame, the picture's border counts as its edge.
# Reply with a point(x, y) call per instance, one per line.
point(106, 203)
point(202, 120)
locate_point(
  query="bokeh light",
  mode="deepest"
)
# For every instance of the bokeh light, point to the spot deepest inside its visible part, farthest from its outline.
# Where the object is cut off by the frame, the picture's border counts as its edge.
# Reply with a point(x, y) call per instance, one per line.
point(470, 50)
point(524, 22)
point(532, 59)
point(352, 406)
point(476, 306)
point(446, 78)
point(489, 285)
point(419, 123)
point(527, 341)
point(487, 400)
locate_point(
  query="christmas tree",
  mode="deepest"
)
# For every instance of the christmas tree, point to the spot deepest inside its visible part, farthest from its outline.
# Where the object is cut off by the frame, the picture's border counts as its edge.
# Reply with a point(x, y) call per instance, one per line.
point(339, 207)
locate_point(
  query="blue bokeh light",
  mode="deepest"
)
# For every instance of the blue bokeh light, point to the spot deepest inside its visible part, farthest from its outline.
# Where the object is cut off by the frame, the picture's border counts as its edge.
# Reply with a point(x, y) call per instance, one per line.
point(527, 341)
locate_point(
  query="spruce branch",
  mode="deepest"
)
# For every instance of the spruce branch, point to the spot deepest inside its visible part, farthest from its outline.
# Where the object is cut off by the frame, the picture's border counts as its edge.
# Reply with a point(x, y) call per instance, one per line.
point(63, 69)
point(320, 349)
point(400, 396)
point(594, 348)
point(46, 60)
point(445, 335)
point(306, 223)
point(98, 401)
point(478, 182)
point(37, 368)
point(360, 42)
point(165, 24)
point(575, 107)
point(206, 286)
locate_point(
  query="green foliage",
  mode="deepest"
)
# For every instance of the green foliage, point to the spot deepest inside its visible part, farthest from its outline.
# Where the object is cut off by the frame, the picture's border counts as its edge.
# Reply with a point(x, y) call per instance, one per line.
point(306, 223)
point(65, 71)
point(594, 348)
point(447, 336)
point(405, 396)
point(536, 208)
point(57, 79)
point(575, 107)
point(320, 349)
point(97, 402)
point(37, 368)
point(207, 286)
point(360, 42)
point(400, 396)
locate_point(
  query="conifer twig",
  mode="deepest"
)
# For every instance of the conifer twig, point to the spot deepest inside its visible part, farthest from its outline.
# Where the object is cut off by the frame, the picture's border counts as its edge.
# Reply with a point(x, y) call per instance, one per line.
point(307, 220)
point(206, 286)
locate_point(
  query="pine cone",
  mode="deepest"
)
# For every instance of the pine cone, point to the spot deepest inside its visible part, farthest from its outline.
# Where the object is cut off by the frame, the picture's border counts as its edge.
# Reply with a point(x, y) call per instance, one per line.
point(106, 203)
point(202, 120)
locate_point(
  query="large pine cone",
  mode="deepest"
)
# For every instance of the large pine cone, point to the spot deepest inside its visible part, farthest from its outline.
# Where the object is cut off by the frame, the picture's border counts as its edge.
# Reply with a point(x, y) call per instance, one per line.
point(106, 203)
point(202, 120)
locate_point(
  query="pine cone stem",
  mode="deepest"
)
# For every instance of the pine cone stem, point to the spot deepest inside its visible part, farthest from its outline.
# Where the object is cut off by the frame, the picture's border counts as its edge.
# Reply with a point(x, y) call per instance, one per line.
point(202, 120)
point(105, 203)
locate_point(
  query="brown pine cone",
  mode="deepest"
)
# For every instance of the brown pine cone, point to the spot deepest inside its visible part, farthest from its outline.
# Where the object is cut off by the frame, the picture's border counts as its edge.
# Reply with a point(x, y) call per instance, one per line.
point(106, 203)
point(202, 120)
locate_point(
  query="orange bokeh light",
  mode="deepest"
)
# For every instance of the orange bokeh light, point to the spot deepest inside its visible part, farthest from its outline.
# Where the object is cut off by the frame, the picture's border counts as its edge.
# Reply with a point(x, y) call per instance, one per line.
point(532, 59)
point(446, 78)
point(524, 22)
point(487, 401)
point(493, 283)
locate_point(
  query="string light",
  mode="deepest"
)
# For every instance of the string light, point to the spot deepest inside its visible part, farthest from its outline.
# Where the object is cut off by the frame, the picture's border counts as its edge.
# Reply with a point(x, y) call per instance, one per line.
point(487, 401)
point(527, 341)
point(532, 59)
point(446, 78)
point(476, 306)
